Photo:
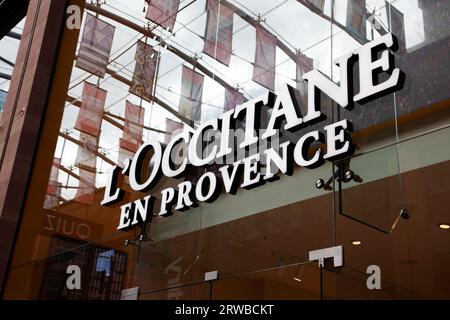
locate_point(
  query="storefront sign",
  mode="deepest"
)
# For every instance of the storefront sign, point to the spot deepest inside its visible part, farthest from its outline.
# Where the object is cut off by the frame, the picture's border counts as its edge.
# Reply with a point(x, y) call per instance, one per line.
point(153, 160)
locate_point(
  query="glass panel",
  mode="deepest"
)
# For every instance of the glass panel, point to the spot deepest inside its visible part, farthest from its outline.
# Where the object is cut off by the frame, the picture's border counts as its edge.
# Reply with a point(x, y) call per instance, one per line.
point(349, 283)
point(95, 271)
point(299, 281)
point(200, 291)
point(373, 196)
point(413, 258)
point(366, 194)
point(423, 102)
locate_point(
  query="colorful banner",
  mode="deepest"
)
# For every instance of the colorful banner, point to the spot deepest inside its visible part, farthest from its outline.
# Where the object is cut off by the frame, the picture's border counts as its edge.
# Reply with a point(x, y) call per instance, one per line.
point(133, 127)
point(219, 32)
point(172, 129)
point(191, 94)
point(144, 71)
point(91, 111)
point(396, 23)
point(86, 188)
point(124, 154)
point(163, 12)
point(356, 19)
point(233, 98)
point(95, 46)
point(52, 201)
point(86, 157)
point(264, 67)
point(52, 187)
point(53, 193)
point(319, 4)
point(304, 64)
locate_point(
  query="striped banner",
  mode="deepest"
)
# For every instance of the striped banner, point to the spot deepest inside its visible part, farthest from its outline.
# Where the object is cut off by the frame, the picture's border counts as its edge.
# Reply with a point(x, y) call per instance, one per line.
point(52, 187)
point(95, 46)
point(52, 201)
point(304, 64)
point(356, 19)
point(172, 129)
point(53, 193)
point(233, 98)
point(144, 71)
point(124, 154)
point(86, 188)
point(219, 32)
point(163, 12)
point(91, 111)
point(319, 4)
point(191, 94)
point(396, 23)
point(133, 127)
point(264, 67)
point(86, 157)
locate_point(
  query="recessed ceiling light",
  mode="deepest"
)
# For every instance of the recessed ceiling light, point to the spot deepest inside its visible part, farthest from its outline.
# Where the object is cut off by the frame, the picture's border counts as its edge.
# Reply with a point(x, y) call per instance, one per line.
point(356, 242)
point(297, 279)
point(444, 226)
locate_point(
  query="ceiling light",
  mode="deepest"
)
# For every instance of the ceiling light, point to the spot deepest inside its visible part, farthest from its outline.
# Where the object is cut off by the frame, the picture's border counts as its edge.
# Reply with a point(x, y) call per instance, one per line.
point(356, 242)
point(297, 279)
point(444, 226)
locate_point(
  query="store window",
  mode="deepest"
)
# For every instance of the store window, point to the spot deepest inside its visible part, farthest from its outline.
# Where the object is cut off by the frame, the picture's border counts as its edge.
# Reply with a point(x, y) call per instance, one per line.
point(136, 77)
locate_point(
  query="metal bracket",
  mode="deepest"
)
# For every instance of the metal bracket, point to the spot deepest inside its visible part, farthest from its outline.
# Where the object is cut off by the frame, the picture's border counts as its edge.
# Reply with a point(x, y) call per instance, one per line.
point(342, 174)
point(211, 275)
point(337, 253)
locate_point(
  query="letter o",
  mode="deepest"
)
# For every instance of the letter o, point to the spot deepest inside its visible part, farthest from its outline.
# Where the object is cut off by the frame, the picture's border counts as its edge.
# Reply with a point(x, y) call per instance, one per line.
point(138, 162)
point(211, 190)
point(88, 231)
point(166, 160)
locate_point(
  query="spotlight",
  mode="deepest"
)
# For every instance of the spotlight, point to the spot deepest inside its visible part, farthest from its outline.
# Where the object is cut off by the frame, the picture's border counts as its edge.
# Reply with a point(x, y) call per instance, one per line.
point(297, 279)
point(348, 175)
point(444, 226)
point(320, 183)
point(404, 214)
point(356, 242)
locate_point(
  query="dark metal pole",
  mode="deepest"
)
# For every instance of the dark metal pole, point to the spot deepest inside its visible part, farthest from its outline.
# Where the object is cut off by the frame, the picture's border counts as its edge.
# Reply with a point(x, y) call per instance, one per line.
point(7, 61)
point(5, 76)
point(14, 35)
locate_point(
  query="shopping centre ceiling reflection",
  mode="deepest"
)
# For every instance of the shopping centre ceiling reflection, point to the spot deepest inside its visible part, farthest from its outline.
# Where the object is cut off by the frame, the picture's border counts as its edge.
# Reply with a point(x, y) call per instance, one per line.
point(138, 76)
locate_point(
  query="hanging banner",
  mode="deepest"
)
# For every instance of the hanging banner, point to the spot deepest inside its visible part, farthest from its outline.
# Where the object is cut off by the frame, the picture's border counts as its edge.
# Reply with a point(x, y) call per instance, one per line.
point(396, 23)
point(304, 64)
point(133, 127)
point(264, 67)
point(163, 12)
point(95, 46)
point(86, 157)
point(91, 111)
point(356, 19)
point(144, 71)
point(124, 154)
point(319, 4)
point(191, 94)
point(219, 32)
point(86, 188)
point(53, 193)
point(233, 98)
point(172, 129)
point(52, 201)
point(54, 174)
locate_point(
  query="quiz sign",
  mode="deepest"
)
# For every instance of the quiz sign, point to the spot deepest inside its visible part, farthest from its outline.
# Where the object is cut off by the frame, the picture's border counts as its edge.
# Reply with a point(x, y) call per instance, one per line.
point(152, 160)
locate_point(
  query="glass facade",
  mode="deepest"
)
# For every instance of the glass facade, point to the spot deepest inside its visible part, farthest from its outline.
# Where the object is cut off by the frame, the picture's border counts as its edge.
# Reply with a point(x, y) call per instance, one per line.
point(392, 216)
